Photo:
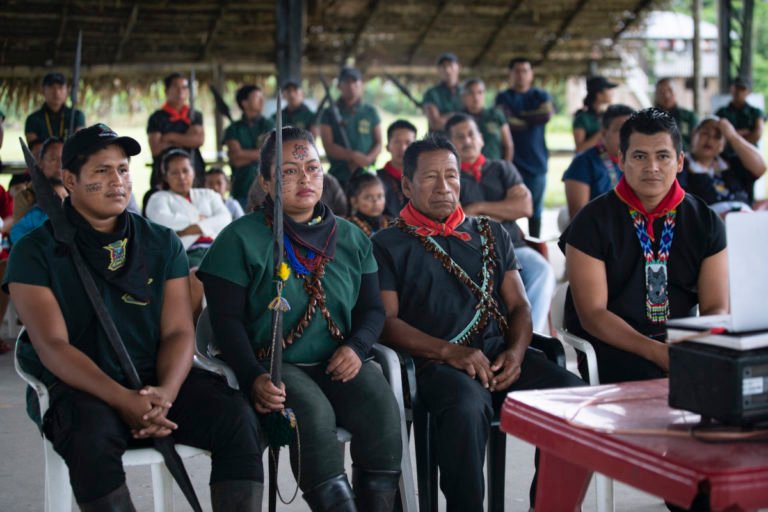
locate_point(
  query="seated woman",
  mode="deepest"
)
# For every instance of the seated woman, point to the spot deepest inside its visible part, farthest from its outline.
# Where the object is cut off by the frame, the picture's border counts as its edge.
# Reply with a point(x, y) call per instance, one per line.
point(724, 183)
point(641, 254)
point(335, 317)
point(197, 215)
point(367, 201)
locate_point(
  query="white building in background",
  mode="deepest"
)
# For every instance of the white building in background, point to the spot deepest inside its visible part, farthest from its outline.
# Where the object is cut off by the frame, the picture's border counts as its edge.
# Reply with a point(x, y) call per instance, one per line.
point(662, 47)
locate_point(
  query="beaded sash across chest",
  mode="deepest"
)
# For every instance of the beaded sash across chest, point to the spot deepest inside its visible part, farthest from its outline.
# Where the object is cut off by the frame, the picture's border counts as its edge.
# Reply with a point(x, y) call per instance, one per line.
point(310, 270)
point(486, 304)
point(656, 275)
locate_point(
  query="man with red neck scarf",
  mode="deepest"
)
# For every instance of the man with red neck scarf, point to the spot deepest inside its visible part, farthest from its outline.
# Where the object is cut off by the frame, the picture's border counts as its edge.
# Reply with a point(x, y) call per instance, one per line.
point(495, 188)
point(641, 254)
point(454, 300)
point(174, 126)
point(400, 135)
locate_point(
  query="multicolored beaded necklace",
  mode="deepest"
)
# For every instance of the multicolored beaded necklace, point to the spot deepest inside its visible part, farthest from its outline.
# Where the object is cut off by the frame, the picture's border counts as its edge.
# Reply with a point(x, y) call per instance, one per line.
point(366, 227)
point(486, 306)
point(656, 277)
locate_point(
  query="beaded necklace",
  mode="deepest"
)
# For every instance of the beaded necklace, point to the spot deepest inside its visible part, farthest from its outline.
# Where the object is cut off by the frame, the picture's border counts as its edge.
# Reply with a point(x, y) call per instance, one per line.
point(487, 306)
point(61, 123)
point(311, 270)
point(367, 229)
point(656, 277)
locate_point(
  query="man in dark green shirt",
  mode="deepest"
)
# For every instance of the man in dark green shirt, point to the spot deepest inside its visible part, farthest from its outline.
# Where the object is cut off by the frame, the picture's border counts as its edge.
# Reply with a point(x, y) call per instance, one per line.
point(361, 123)
point(444, 99)
point(141, 272)
point(491, 121)
point(686, 119)
point(748, 120)
point(296, 112)
point(243, 139)
point(53, 118)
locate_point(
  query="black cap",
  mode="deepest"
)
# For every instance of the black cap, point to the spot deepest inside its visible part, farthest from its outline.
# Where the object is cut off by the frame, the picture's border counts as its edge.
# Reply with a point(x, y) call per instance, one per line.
point(89, 140)
point(741, 82)
point(599, 83)
point(349, 73)
point(447, 56)
point(290, 84)
point(54, 78)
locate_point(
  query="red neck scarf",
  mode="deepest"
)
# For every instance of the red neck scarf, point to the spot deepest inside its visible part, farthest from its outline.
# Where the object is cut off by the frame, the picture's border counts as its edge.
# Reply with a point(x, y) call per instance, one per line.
point(673, 198)
point(177, 115)
point(393, 171)
point(475, 168)
point(428, 227)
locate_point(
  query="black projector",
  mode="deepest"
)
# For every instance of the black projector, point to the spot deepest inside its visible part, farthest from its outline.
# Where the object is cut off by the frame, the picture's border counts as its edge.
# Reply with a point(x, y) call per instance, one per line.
point(728, 386)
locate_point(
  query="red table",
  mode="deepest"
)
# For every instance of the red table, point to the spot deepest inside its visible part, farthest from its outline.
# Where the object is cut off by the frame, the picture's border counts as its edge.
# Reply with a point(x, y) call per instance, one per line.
point(581, 430)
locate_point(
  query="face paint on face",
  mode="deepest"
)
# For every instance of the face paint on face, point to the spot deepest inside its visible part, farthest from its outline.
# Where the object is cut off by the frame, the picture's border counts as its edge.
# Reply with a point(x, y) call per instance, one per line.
point(300, 152)
point(93, 187)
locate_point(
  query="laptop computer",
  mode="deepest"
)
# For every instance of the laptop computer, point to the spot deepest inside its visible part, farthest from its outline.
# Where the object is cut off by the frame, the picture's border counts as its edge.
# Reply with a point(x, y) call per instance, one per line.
point(747, 235)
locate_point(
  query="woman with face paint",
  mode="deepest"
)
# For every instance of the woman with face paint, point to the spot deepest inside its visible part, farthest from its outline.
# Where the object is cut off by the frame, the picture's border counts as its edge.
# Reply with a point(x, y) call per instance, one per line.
point(335, 317)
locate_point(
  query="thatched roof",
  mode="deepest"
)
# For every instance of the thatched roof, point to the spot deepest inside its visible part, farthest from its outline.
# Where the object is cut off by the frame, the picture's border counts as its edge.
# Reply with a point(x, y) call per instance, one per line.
point(142, 40)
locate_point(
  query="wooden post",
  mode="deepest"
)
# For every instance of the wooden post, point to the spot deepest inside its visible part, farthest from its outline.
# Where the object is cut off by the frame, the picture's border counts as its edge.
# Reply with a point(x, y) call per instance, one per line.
point(697, 79)
point(289, 39)
point(724, 46)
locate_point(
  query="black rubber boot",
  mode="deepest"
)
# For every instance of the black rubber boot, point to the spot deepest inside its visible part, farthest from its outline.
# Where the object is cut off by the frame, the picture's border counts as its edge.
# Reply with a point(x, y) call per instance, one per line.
point(118, 500)
point(375, 490)
point(333, 495)
point(237, 496)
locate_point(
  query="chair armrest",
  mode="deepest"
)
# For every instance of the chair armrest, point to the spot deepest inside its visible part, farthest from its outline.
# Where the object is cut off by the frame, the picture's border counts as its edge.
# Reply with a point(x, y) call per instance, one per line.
point(551, 347)
point(586, 348)
point(390, 366)
point(217, 367)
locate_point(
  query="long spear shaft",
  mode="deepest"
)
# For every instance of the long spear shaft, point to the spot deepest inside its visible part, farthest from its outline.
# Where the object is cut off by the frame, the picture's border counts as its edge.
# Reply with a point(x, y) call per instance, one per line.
point(75, 82)
point(277, 254)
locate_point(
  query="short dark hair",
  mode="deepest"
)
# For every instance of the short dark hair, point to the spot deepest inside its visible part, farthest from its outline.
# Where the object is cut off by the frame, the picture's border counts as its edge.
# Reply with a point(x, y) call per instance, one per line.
point(457, 119)
point(432, 142)
point(614, 111)
point(518, 60)
point(268, 147)
point(168, 81)
point(650, 121)
point(662, 80)
point(242, 93)
point(400, 124)
point(215, 170)
point(361, 181)
point(170, 155)
point(471, 82)
point(50, 141)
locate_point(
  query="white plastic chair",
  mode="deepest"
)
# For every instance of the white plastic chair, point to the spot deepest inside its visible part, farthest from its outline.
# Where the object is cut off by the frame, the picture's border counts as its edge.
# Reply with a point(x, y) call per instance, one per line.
point(603, 484)
point(205, 357)
point(58, 492)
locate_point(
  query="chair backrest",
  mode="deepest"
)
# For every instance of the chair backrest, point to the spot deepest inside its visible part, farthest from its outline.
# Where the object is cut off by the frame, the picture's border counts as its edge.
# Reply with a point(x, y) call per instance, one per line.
point(204, 339)
point(557, 309)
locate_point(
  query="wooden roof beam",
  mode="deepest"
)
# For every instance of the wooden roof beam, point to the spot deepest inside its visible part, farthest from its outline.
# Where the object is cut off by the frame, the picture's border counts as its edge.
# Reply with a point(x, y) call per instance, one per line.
point(351, 49)
point(641, 6)
point(564, 26)
point(214, 29)
point(495, 33)
point(425, 31)
point(127, 32)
